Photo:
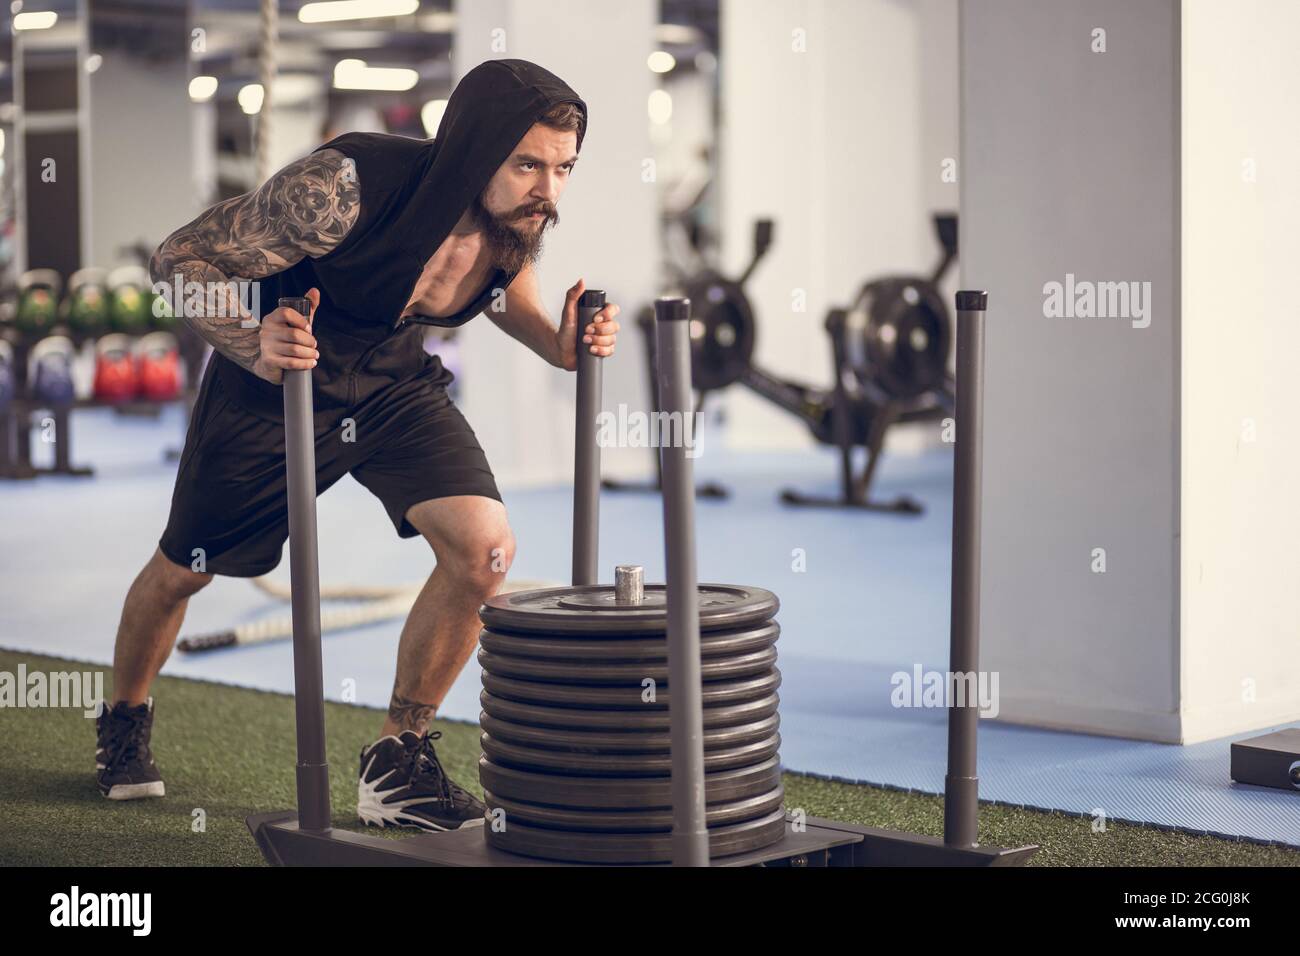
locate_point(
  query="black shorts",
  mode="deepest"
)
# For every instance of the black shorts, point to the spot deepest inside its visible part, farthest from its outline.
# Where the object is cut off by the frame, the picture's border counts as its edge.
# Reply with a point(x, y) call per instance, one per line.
point(406, 444)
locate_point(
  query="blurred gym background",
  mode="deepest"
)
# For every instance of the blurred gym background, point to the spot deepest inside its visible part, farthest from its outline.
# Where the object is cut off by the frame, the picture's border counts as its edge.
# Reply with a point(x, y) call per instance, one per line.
point(147, 112)
point(793, 165)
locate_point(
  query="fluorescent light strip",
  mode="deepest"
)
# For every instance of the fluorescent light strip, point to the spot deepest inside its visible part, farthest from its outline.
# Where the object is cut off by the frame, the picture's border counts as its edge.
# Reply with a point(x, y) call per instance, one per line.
point(356, 75)
point(35, 20)
point(331, 11)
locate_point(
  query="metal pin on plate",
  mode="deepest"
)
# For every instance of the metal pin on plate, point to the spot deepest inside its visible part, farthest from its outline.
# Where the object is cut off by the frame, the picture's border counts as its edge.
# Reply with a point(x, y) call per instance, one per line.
point(629, 584)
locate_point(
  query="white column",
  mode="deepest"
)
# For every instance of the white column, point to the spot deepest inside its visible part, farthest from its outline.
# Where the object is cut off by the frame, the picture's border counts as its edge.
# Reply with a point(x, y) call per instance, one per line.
point(1161, 441)
point(520, 408)
point(297, 129)
point(1069, 168)
point(1240, 608)
point(141, 131)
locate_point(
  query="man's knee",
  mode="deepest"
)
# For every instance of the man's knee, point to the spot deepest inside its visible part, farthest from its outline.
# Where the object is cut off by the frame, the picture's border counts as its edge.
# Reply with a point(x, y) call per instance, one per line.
point(177, 581)
point(477, 555)
point(481, 559)
point(470, 536)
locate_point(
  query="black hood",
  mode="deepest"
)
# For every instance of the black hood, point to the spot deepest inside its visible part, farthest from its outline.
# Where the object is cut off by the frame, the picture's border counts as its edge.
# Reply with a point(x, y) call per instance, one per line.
point(492, 108)
point(413, 192)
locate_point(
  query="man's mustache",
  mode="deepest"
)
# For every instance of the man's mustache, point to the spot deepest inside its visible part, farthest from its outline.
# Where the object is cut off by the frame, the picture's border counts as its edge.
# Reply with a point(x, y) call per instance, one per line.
point(545, 208)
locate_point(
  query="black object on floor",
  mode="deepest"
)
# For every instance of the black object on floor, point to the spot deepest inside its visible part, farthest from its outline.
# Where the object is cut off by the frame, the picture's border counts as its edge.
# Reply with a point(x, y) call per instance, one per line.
point(1272, 760)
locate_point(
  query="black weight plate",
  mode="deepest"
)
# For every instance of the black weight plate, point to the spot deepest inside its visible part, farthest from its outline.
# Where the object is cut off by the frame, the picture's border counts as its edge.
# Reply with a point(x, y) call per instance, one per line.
point(622, 793)
point(920, 355)
point(722, 331)
point(621, 674)
point(628, 698)
point(907, 336)
point(613, 742)
point(554, 818)
point(590, 609)
point(614, 648)
point(536, 715)
point(631, 848)
point(620, 764)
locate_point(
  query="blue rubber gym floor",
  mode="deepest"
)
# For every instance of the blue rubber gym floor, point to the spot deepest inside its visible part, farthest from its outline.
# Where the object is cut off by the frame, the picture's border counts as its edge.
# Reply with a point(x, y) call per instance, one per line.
point(863, 595)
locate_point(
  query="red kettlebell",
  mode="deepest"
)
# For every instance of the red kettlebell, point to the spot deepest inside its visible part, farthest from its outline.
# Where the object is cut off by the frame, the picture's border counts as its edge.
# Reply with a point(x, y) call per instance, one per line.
point(158, 366)
point(114, 370)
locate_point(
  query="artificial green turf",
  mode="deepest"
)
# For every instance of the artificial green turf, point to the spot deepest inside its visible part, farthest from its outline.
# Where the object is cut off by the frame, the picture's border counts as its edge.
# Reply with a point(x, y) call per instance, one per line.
point(226, 752)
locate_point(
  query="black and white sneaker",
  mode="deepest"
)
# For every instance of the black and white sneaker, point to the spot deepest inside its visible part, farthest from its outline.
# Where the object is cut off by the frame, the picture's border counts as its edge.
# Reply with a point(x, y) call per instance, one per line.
point(403, 784)
point(124, 766)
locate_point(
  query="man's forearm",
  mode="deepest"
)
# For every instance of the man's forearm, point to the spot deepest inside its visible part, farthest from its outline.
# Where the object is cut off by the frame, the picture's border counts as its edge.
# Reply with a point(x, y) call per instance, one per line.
point(216, 313)
point(530, 325)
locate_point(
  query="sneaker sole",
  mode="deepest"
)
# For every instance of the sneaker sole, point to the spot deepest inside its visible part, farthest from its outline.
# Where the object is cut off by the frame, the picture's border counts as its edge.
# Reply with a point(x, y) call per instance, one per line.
point(136, 791)
point(385, 825)
point(376, 815)
point(401, 825)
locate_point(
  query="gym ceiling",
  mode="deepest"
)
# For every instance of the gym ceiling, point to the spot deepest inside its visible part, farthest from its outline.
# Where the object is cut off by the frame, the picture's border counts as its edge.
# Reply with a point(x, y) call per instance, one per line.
point(421, 41)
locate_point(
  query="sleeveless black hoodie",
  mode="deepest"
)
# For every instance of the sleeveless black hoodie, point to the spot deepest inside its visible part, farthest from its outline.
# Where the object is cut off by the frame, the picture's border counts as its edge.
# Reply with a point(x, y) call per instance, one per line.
point(413, 192)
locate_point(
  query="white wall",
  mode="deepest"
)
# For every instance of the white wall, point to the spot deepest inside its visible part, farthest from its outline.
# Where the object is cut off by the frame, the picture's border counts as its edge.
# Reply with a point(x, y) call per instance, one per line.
point(296, 130)
point(203, 137)
point(140, 123)
point(1170, 158)
point(1240, 615)
point(940, 119)
point(522, 409)
point(840, 144)
point(141, 118)
point(940, 101)
point(680, 169)
point(1070, 164)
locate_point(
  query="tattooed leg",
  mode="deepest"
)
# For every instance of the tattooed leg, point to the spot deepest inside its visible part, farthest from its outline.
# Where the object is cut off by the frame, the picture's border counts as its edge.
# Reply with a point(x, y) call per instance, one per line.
point(439, 636)
point(407, 714)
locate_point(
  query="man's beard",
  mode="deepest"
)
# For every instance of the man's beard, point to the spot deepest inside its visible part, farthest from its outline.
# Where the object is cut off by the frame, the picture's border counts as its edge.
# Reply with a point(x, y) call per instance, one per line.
point(511, 248)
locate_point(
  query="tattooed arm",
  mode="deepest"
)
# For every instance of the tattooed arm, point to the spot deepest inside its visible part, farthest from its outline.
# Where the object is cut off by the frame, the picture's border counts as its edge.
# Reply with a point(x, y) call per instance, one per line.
point(305, 209)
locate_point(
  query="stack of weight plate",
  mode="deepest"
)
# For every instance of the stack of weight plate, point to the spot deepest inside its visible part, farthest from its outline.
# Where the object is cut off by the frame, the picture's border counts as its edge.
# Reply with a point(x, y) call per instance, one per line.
point(576, 763)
